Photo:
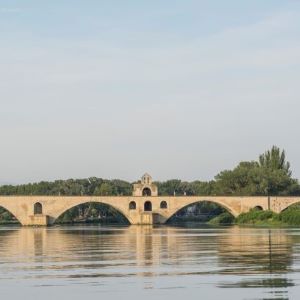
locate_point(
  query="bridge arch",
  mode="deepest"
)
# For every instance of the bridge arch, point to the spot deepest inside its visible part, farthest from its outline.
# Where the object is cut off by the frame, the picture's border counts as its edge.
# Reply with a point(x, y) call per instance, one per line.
point(9, 214)
point(258, 207)
point(57, 215)
point(289, 205)
point(219, 202)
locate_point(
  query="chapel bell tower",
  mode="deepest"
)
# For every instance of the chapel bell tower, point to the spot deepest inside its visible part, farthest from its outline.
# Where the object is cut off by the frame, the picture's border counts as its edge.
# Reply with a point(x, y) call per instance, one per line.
point(145, 187)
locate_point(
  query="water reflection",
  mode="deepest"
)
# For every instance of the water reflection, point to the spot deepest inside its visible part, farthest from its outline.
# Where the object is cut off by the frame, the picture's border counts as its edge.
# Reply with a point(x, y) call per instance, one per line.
point(255, 250)
point(264, 261)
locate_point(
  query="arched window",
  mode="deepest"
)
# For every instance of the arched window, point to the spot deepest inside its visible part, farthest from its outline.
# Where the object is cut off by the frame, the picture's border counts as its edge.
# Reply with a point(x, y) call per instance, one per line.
point(146, 192)
point(163, 204)
point(132, 205)
point(38, 208)
point(148, 206)
point(258, 208)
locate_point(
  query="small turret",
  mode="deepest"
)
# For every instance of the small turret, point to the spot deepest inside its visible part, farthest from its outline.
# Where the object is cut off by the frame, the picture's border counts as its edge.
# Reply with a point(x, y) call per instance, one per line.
point(146, 179)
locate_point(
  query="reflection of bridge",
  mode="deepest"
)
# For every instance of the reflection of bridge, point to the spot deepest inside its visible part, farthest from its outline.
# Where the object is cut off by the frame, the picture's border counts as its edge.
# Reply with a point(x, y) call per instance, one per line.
point(144, 207)
point(149, 257)
point(236, 248)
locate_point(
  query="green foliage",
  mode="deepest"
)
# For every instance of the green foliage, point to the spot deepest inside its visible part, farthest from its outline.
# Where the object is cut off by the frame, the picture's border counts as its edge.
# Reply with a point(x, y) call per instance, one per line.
point(201, 188)
point(171, 186)
point(242, 180)
point(256, 216)
point(275, 159)
point(181, 188)
point(199, 212)
point(211, 208)
point(291, 215)
point(271, 175)
point(223, 219)
point(105, 189)
point(6, 217)
point(71, 187)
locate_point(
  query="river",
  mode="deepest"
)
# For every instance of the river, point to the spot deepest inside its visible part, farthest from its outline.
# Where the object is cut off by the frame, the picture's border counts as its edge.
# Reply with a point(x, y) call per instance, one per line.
point(145, 262)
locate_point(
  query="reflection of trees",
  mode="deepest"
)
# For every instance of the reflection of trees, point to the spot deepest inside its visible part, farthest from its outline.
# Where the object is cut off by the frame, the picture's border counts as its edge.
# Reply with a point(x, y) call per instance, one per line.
point(268, 283)
point(249, 250)
point(259, 252)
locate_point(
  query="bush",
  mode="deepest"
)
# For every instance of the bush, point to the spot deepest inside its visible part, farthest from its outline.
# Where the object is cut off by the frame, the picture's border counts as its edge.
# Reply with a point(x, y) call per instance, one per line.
point(253, 216)
point(222, 219)
point(290, 216)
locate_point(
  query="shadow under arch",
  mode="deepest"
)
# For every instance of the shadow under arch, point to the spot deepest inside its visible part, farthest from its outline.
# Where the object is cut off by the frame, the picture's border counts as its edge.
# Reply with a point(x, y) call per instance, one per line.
point(222, 207)
point(85, 213)
point(294, 205)
point(7, 217)
point(258, 207)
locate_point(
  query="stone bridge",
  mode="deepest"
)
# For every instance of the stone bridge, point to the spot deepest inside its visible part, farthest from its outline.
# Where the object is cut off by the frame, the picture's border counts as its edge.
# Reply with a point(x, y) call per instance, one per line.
point(143, 207)
point(44, 210)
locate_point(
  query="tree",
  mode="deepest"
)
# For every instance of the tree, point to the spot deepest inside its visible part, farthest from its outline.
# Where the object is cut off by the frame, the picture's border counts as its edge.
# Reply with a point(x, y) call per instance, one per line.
point(239, 181)
point(105, 189)
point(271, 175)
point(275, 159)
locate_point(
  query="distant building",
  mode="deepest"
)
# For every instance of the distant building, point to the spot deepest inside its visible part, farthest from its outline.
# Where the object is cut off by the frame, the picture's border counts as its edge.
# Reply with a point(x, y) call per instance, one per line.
point(145, 187)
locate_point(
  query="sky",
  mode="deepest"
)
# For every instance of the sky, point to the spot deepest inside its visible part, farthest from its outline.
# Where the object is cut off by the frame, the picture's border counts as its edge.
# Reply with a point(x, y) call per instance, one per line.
point(115, 88)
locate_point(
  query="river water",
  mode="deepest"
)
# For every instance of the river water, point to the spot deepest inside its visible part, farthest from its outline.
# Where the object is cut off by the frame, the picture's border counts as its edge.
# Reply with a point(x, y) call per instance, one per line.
point(141, 262)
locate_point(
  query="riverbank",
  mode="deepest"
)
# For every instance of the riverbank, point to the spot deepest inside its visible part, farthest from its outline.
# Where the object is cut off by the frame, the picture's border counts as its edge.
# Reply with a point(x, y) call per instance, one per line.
point(289, 217)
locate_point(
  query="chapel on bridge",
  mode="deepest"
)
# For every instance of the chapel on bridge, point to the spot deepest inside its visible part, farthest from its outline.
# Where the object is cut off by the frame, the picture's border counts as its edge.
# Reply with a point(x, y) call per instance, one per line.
point(145, 187)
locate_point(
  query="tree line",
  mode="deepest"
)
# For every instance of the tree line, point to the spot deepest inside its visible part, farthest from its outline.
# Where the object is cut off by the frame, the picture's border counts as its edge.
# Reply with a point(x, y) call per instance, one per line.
point(269, 175)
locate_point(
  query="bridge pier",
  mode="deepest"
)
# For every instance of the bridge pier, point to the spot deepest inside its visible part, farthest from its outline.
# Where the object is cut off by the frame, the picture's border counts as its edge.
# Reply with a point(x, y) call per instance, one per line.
point(159, 219)
point(150, 218)
point(37, 220)
point(146, 219)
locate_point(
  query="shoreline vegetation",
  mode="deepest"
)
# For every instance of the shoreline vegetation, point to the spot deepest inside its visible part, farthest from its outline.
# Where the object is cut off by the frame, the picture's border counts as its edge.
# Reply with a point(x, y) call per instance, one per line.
point(288, 217)
point(269, 175)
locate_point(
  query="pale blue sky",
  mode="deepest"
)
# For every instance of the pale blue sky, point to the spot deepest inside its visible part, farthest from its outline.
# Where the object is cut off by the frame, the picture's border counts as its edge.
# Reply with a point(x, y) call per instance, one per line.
point(180, 89)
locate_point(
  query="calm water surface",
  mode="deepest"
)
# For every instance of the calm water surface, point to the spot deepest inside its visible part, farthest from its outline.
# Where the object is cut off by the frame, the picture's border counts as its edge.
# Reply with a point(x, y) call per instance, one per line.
point(141, 262)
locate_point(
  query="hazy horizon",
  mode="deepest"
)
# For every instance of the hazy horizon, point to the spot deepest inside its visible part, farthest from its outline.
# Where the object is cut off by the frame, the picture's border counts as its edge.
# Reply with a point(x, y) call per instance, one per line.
point(179, 89)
